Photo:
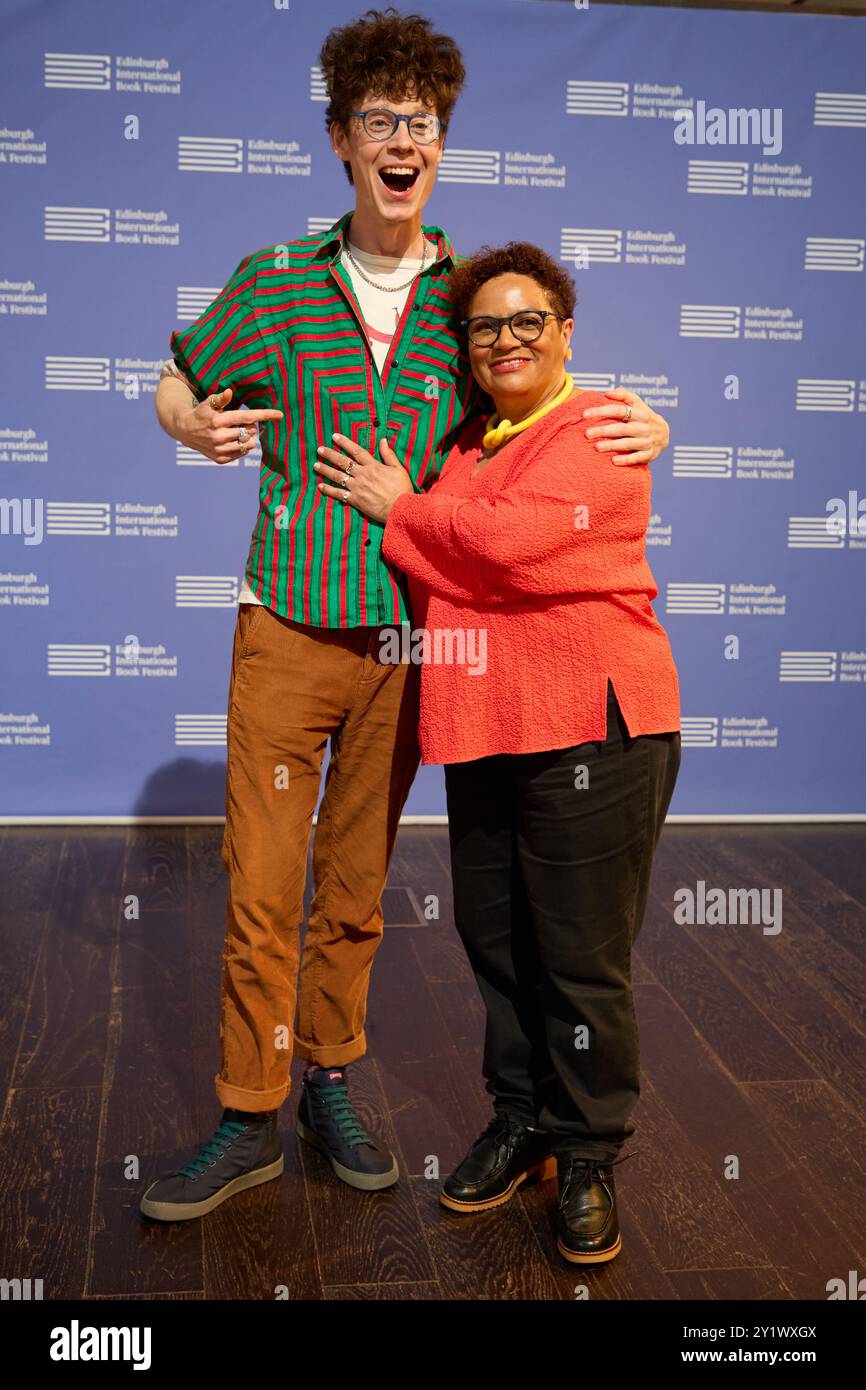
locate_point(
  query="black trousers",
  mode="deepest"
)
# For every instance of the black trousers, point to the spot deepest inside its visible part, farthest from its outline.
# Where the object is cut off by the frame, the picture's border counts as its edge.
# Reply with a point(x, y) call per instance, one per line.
point(551, 857)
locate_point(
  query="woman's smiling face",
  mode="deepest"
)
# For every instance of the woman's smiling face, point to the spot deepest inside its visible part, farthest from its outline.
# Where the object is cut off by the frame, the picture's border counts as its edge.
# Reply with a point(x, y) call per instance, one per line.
point(511, 370)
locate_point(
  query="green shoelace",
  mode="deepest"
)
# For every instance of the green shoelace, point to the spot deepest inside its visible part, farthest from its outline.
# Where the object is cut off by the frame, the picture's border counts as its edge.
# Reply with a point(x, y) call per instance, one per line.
point(224, 1134)
point(343, 1114)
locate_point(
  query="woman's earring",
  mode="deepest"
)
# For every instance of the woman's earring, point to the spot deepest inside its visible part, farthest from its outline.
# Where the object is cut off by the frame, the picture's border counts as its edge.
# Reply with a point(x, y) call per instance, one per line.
point(568, 355)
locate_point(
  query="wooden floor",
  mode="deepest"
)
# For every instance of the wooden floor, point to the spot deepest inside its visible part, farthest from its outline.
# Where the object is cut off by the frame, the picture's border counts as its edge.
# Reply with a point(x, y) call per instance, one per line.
point(753, 1048)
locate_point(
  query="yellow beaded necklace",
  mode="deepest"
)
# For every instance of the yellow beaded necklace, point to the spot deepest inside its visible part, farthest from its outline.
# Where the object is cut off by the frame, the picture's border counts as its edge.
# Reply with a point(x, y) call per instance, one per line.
point(500, 430)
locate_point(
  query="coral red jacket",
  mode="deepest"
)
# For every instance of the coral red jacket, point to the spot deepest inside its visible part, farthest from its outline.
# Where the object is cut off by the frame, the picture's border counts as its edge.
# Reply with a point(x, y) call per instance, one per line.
point(532, 586)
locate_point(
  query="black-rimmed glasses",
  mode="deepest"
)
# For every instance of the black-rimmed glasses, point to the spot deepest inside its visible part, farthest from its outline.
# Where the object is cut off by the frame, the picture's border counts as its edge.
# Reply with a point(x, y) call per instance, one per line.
point(380, 124)
point(526, 325)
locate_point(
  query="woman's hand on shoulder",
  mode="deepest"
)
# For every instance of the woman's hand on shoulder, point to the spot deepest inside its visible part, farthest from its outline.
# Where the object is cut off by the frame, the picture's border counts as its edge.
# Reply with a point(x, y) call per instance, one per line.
point(630, 432)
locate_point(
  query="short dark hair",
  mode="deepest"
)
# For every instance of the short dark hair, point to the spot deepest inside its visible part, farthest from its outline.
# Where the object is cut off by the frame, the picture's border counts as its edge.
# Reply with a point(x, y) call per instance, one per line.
point(395, 56)
point(516, 258)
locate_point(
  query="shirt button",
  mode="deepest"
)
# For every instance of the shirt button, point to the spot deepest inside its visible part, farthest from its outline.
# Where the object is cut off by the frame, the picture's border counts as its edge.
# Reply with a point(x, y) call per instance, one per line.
point(376, 421)
point(367, 541)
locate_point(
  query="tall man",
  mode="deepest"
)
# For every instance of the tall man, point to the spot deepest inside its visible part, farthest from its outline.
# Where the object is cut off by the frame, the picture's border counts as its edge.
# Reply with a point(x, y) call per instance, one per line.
point(351, 331)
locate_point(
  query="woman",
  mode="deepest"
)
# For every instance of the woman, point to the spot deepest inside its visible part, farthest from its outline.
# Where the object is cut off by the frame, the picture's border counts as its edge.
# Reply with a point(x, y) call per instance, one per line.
point(561, 749)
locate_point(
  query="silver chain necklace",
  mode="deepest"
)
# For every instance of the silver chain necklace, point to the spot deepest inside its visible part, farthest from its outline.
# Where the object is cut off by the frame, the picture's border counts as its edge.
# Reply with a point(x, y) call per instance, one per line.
point(388, 289)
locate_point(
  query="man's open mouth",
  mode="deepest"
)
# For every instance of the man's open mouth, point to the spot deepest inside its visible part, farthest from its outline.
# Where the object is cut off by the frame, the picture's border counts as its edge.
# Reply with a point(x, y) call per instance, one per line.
point(399, 177)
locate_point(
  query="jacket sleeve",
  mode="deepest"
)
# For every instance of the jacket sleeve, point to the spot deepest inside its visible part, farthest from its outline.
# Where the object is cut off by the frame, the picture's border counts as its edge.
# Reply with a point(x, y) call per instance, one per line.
point(222, 347)
point(574, 524)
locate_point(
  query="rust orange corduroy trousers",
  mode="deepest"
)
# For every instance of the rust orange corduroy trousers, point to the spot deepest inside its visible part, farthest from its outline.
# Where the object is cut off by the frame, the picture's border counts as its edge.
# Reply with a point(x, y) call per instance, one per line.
point(293, 688)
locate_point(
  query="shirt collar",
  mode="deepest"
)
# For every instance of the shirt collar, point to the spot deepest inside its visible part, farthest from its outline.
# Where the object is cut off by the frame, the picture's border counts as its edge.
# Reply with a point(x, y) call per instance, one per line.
point(335, 236)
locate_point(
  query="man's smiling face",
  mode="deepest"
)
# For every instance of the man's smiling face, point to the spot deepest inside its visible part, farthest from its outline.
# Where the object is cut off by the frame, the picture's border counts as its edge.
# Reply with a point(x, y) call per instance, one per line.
point(393, 177)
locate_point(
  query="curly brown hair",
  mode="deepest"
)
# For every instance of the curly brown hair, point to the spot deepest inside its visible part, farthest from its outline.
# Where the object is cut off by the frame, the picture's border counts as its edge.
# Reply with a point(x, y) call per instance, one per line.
point(516, 258)
point(394, 56)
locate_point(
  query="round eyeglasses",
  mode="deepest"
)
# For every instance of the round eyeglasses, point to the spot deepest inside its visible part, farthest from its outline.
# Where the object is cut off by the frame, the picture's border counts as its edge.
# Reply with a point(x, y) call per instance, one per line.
point(526, 325)
point(380, 124)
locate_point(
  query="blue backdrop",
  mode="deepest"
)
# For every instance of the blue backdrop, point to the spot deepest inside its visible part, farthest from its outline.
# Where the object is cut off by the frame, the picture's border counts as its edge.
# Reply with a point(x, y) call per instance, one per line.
point(719, 262)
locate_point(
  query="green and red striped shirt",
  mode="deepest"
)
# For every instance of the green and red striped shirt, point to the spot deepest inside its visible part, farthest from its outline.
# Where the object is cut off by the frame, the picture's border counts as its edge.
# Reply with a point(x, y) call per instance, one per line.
point(287, 333)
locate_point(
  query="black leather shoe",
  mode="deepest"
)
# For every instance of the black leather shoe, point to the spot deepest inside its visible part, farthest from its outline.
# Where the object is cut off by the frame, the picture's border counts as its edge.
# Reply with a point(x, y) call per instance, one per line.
point(587, 1224)
point(244, 1151)
point(503, 1157)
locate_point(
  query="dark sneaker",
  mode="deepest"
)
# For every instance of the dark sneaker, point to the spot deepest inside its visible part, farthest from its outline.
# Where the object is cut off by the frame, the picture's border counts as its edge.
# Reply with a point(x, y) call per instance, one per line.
point(505, 1155)
point(243, 1151)
point(327, 1121)
point(587, 1224)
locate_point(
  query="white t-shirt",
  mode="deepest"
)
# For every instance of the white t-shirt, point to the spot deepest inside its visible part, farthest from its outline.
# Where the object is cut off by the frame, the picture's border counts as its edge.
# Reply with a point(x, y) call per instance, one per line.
point(381, 310)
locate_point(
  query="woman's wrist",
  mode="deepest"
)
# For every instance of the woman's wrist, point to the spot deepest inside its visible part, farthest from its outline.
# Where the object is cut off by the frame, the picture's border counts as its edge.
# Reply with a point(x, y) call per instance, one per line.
point(395, 502)
point(395, 507)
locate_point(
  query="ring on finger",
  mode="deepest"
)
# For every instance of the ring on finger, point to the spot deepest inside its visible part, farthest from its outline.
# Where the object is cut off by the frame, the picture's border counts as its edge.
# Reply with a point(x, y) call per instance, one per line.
point(627, 415)
point(349, 466)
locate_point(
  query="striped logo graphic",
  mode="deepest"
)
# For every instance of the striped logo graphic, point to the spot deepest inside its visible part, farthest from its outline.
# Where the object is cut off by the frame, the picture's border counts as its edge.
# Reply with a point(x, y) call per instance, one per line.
point(834, 253)
point(840, 108)
point(807, 666)
point(718, 176)
point(77, 374)
point(77, 224)
point(200, 730)
point(90, 71)
point(192, 300)
point(709, 321)
point(816, 393)
point(596, 98)
point(594, 381)
point(207, 154)
point(77, 659)
point(206, 591)
point(188, 458)
point(699, 732)
point(318, 89)
point(317, 225)
point(703, 461)
point(814, 533)
point(469, 166)
point(590, 244)
point(78, 518)
point(682, 597)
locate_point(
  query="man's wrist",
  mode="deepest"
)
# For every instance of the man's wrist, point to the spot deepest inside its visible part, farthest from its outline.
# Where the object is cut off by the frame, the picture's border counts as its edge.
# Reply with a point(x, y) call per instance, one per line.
point(175, 400)
point(171, 372)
